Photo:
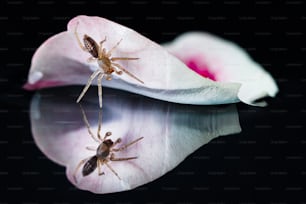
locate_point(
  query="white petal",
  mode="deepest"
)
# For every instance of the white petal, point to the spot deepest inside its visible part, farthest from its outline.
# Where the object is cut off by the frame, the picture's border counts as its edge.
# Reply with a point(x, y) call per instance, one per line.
point(165, 77)
point(35, 76)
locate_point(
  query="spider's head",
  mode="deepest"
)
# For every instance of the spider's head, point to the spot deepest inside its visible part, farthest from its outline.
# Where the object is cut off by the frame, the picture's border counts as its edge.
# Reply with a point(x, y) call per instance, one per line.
point(104, 148)
point(108, 143)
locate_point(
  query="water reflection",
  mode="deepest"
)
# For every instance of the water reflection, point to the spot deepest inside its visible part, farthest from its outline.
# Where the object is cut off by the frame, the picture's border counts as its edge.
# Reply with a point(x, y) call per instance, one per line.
point(171, 132)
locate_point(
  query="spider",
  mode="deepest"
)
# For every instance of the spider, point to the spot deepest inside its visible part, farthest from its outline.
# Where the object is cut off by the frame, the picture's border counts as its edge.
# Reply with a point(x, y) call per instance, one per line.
point(104, 152)
point(106, 63)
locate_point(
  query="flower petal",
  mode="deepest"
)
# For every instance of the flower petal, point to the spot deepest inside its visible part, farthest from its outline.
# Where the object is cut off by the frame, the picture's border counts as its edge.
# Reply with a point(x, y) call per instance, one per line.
point(62, 62)
point(224, 61)
point(171, 132)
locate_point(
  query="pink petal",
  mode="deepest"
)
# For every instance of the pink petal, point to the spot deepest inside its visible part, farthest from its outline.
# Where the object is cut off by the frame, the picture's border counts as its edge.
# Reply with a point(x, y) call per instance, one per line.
point(224, 61)
point(171, 132)
point(166, 78)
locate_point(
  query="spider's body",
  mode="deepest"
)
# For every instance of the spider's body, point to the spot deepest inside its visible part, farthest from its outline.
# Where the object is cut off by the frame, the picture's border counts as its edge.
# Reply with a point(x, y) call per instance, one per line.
point(104, 152)
point(106, 63)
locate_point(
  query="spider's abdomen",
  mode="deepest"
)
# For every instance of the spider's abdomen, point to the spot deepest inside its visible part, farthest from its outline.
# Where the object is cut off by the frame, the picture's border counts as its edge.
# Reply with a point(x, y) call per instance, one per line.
point(91, 46)
point(90, 166)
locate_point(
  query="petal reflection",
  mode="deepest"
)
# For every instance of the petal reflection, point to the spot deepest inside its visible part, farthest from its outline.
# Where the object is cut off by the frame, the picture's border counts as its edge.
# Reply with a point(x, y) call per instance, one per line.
point(171, 132)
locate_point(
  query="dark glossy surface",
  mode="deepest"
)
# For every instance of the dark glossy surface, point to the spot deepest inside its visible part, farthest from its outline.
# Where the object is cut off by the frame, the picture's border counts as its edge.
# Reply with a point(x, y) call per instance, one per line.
point(263, 164)
point(170, 132)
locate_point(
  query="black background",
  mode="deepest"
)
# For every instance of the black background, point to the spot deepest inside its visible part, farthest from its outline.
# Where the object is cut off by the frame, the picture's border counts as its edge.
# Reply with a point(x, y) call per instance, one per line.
point(263, 164)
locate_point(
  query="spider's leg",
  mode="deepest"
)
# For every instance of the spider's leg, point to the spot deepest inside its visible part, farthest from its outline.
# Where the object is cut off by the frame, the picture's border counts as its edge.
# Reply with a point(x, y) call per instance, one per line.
point(102, 41)
point(91, 59)
point(109, 53)
point(91, 78)
point(100, 76)
point(109, 166)
point(88, 126)
point(101, 50)
point(91, 148)
point(117, 142)
point(107, 134)
point(124, 58)
point(112, 158)
point(127, 72)
point(78, 38)
point(109, 77)
point(99, 126)
point(99, 164)
point(127, 145)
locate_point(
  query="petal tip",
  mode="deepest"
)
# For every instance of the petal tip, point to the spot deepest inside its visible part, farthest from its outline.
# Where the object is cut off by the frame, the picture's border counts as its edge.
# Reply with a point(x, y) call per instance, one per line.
point(28, 87)
point(35, 77)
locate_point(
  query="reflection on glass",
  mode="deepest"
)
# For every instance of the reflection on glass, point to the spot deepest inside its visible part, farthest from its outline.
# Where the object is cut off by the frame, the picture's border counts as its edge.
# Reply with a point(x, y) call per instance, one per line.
point(171, 132)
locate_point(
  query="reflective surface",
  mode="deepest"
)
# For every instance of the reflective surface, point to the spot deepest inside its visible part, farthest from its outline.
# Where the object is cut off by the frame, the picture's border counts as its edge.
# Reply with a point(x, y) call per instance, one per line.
point(265, 163)
point(266, 159)
point(171, 132)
